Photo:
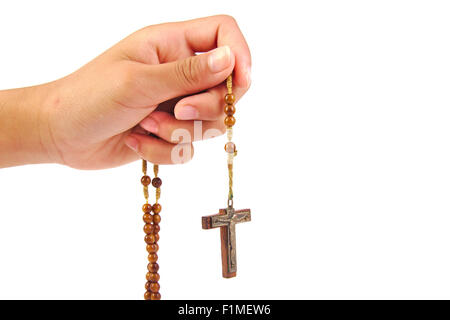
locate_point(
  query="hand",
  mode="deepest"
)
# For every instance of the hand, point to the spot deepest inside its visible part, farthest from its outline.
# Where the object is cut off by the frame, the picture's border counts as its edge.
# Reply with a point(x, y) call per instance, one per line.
point(152, 81)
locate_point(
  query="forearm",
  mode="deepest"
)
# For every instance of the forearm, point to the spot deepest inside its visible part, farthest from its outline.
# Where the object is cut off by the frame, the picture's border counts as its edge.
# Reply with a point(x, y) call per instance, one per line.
point(23, 126)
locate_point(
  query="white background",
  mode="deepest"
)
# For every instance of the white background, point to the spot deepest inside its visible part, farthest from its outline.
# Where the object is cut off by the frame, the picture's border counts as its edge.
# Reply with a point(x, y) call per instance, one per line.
point(343, 158)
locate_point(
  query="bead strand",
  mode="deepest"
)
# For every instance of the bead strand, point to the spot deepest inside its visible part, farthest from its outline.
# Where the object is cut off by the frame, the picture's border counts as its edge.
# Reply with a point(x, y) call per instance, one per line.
point(151, 229)
point(229, 121)
point(145, 180)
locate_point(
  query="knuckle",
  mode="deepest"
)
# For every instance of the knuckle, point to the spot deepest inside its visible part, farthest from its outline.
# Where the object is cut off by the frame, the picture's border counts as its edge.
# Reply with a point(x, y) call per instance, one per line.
point(228, 19)
point(187, 71)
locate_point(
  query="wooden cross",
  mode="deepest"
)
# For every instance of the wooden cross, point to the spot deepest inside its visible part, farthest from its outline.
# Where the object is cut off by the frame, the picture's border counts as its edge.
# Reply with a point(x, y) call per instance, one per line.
point(227, 219)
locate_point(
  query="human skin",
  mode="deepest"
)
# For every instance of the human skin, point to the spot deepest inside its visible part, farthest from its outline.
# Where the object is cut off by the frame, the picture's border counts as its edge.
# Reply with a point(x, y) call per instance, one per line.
point(153, 81)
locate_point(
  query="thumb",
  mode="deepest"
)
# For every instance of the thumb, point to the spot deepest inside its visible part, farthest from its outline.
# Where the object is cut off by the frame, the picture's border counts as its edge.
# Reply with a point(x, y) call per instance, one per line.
point(191, 75)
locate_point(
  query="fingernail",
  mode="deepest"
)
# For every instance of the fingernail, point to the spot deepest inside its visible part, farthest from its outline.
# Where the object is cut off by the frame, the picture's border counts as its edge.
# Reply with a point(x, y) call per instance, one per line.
point(186, 113)
point(219, 59)
point(132, 143)
point(150, 125)
point(248, 75)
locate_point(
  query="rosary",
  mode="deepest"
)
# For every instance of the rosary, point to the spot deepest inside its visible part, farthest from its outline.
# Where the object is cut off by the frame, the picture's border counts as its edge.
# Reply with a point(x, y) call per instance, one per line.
point(226, 219)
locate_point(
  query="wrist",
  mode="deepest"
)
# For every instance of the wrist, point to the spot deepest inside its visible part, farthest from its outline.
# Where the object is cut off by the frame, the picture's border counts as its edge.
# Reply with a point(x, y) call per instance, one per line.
point(25, 137)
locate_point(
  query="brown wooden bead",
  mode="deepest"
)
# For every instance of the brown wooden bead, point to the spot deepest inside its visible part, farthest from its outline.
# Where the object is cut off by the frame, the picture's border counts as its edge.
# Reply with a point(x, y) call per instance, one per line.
point(154, 287)
point(148, 228)
point(152, 276)
point(153, 267)
point(156, 208)
point(152, 257)
point(150, 238)
point(145, 180)
point(152, 248)
point(157, 237)
point(156, 218)
point(229, 109)
point(148, 295)
point(229, 121)
point(147, 285)
point(230, 98)
point(157, 228)
point(148, 218)
point(157, 182)
point(147, 208)
point(156, 296)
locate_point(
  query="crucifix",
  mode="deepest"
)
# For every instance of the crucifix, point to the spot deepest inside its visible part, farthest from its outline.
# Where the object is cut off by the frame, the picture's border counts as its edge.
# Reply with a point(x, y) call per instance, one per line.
point(226, 220)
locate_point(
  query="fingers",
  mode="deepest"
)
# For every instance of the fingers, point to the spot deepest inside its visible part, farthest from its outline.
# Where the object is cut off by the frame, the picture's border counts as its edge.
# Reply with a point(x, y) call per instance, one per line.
point(169, 42)
point(207, 105)
point(159, 151)
point(207, 33)
point(190, 75)
point(165, 126)
point(162, 64)
point(202, 106)
point(175, 145)
point(168, 69)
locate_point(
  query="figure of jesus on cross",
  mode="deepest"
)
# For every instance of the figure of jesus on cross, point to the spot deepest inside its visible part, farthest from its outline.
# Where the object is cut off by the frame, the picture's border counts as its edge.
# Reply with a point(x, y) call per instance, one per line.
point(227, 219)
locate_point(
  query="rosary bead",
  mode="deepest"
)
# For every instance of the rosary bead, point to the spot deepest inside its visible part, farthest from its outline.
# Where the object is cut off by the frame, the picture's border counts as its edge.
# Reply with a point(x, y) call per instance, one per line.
point(152, 257)
point(154, 287)
point(230, 98)
point(150, 239)
point(151, 229)
point(230, 147)
point(152, 248)
point(153, 267)
point(229, 109)
point(145, 180)
point(148, 218)
point(156, 218)
point(157, 182)
point(148, 295)
point(229, 121)
point(156, 296)
point(152, 277)
point(147, 208)
point(148, 228)
point(156, 208)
